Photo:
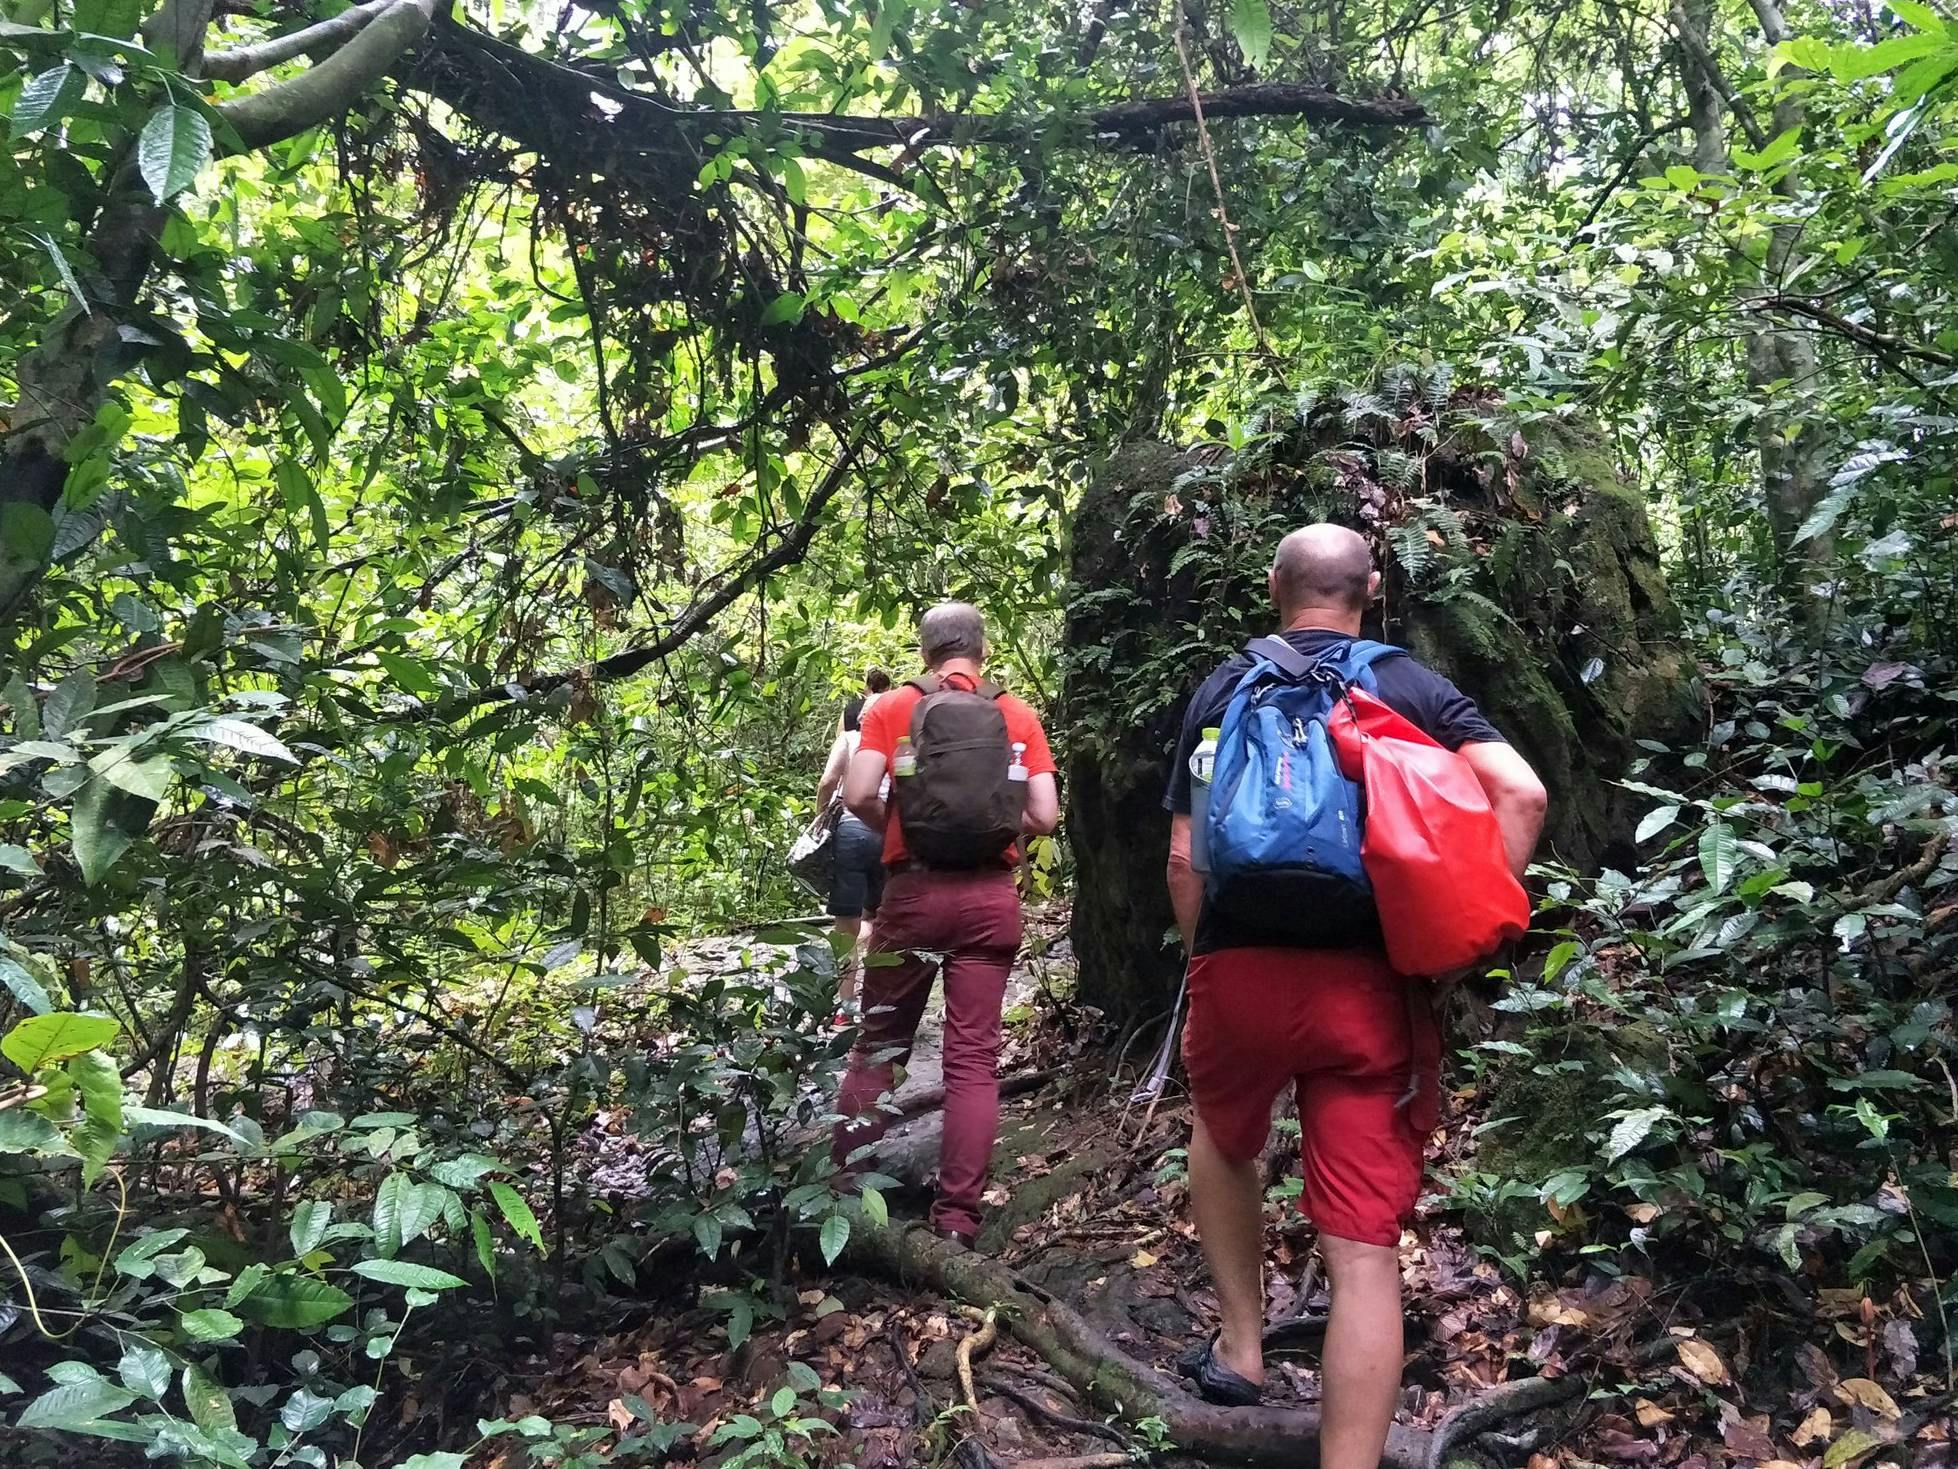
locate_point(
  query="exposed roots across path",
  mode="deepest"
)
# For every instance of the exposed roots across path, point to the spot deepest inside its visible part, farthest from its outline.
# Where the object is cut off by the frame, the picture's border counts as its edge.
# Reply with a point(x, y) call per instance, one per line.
point(1091, 1362)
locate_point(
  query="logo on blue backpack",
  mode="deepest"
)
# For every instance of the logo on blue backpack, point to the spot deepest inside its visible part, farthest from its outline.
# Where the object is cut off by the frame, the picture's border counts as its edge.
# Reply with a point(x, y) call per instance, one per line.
point(1284, 824)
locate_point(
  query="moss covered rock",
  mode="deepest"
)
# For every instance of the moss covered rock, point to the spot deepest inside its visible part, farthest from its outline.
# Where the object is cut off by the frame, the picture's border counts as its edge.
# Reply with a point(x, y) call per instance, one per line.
point(1515, 561)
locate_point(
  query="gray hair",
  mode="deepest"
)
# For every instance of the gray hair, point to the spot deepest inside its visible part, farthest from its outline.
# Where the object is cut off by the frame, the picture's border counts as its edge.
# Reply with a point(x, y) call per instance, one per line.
point(952, 630)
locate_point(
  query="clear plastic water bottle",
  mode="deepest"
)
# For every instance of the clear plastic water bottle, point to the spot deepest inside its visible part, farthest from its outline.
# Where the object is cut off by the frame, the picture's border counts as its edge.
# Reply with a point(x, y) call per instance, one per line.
point(1203, 760)
point(1017, 771)
point(904, 760)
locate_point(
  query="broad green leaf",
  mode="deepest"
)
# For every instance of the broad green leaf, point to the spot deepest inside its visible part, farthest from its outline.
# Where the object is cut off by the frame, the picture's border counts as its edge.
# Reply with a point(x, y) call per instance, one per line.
point(24, 987)
point(874, 1207)
point(75, 1404)
point(1778, 151)
point(47, 99)
point(707, 1233)
point(210, 1324)
point(295, 1302)
point(22, 1131)
point(517, 1213)
point(304, 1411)
point(69, 704)
point(783, 1403)
point(786, 307)
point(208, 1403)
point(1719, 855)
point(174, 146)
point(296, 487)
point(147, 777)
point(163, 1117)
point(181, 1268)
point(249, 1279)
point(463, 1171)
point(100, 1084)
point(485, 1247)
point(104, 823)
point(310, 1218)
point(138, 1253)
point(45, 1040)
point(1251, 28)
point(239, 734)
point(145, 1370)
point(419, 1206)
point(387, 1211)
point(15, 858)
point(441, 1460)
point(1855, 63)
point(407, 1273)
point(1853, 1445)
point(1632, 1129)
point(26, 714)
point(834, 1234)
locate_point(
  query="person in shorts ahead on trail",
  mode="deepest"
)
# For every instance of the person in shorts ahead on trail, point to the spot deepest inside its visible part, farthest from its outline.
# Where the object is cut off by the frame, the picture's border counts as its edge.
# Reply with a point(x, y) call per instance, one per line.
point(969, 774)
point(857, 885)
point(1337, 1023)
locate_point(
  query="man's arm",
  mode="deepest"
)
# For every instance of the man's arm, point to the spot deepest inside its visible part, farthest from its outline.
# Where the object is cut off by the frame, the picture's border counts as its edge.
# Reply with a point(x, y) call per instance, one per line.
point(1515, 794)
point(1043, 811)
point(861, 785)
point(1185, 882)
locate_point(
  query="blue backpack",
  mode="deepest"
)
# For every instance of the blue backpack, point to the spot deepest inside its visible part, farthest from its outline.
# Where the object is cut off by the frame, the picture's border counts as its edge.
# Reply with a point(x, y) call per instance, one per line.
point(1283, 824)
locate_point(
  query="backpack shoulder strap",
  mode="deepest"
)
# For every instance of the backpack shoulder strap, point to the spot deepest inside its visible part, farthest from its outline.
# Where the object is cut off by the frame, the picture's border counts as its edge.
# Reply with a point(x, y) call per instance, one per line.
point(1281, 655)
point(925, 683)
point(1356, 666)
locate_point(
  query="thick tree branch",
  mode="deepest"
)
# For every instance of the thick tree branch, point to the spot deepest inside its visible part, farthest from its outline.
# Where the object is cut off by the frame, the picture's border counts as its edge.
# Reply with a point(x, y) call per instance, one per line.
point(1881, 343)
point(332, 85)
point(1698, 49)
point(790, 549)
point(240, 62)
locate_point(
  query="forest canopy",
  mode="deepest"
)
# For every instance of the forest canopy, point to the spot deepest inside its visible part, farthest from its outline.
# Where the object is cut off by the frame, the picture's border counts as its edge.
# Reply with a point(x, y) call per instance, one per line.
point(455, 461)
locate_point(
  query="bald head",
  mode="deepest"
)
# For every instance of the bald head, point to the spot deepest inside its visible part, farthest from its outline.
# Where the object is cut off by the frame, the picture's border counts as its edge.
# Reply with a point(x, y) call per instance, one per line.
point(1325, 574)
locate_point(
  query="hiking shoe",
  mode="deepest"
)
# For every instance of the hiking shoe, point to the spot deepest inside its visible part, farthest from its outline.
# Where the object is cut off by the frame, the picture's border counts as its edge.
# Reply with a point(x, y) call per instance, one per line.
point(956, 1236)
point(1215, 1382)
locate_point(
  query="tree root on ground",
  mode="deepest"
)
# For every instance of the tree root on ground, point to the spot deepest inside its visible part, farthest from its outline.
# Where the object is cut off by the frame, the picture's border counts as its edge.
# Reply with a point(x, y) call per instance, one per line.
point(1112, 1380)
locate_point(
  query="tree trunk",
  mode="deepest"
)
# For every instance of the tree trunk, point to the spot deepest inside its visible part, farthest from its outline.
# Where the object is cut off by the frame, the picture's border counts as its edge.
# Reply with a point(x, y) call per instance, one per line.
point(1543, 600)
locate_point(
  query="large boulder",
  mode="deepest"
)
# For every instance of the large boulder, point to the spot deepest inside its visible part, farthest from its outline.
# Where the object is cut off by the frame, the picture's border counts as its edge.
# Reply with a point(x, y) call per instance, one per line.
point(1516, 562)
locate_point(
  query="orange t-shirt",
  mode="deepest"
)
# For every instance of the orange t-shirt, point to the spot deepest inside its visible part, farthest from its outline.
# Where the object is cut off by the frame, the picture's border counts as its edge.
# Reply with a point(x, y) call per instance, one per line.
point(890, 717)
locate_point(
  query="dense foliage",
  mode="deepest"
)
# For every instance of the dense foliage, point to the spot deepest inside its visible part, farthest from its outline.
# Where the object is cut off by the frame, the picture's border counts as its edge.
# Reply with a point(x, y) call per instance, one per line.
point(451, 470)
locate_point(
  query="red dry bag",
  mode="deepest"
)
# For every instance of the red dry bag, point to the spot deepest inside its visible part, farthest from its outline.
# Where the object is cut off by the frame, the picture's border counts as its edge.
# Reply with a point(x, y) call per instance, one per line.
point(1432, 849)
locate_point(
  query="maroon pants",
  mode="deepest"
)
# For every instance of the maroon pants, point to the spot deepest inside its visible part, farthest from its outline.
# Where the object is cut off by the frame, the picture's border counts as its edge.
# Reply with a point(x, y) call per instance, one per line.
point(966, 926)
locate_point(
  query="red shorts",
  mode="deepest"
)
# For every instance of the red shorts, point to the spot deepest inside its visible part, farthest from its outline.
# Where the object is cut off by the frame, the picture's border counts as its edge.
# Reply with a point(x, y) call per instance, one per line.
point(1353, 1035)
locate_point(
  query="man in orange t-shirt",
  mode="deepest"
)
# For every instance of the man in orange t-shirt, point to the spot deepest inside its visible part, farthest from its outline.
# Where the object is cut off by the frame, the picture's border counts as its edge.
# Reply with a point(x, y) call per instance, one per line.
point(964, 924)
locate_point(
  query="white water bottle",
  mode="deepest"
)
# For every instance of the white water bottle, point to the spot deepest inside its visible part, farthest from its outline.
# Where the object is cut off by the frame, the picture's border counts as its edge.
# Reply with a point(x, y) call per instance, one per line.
point(1203, 760)
point(1017, 771)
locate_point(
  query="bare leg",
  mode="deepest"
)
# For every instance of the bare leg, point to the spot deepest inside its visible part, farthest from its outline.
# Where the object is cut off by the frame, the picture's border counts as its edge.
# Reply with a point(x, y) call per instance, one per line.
point(850, 965)
point(1228, 1200)
point(1363, 1351)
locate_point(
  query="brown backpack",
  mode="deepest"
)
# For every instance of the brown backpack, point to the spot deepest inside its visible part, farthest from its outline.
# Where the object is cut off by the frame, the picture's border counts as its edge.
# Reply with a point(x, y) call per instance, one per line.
point(959, 809)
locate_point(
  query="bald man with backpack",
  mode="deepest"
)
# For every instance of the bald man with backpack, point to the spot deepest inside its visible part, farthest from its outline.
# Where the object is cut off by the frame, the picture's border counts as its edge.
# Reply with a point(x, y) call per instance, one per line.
point(1289, 984)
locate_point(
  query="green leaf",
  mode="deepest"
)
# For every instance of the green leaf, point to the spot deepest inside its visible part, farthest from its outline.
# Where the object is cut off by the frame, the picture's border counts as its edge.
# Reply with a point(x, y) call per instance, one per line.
point(441, 1460)
point(145, 1370)
point(874, 1207)
point(1656, 821)
point(1779, 151)
point(834, 1234)
point(210, 1324)
point(138, 1252)
point(420, 1205)
point(1853, 1445)
point(1632, 1129)
point(148, 778)
point(793, 183)
point(295, 1302)
point(783, 1403)
point(463, 1171)
point(517, 1214)
point(174, 146)
point(45, 1040)
point(100, 1083)
point(103, 825)
point(20, 703)
point(304, 1411)
point(208, 1403)
point(69, 704)
point(1719, 855)
point(707, 1233)
point(786, 307)
point(24, 987)
point(407, 1273)
point(70, 1407)
point(310, 1218)
point(387, 1212)
point(164, 1117)
point(16, 858)
point(296, 487)
point(241, 735)
point(29, 1132)
point(485, 1247)
point(47, 99)
point(1251, 28)
point(249, 1279)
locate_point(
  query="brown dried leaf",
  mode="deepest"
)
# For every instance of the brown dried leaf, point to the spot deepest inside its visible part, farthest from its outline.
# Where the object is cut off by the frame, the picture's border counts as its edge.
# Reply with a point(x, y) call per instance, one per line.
point(1703, 1363)
point(1649, 1413)
point(1818, 1427)
point(1867, 1394)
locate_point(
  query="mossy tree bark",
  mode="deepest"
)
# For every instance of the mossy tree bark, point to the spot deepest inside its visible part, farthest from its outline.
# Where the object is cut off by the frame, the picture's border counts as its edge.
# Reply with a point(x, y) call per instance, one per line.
point(1516, 562)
